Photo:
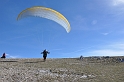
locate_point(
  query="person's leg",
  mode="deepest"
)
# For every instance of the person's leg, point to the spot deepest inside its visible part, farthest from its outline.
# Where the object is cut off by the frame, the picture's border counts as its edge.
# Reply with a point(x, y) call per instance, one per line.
point(44, 58)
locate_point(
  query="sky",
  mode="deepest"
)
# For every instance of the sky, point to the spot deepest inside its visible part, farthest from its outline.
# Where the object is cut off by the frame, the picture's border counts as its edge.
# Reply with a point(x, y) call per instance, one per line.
point(97, 29)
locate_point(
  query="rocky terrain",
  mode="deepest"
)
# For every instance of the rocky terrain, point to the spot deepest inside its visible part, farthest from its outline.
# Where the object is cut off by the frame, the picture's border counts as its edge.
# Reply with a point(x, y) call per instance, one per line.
point(89, 69)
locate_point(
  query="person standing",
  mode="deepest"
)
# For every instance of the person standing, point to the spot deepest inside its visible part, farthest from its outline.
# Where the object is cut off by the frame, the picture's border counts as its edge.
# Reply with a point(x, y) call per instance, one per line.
point(45, 52)
point(81, 57)
point(4, 55)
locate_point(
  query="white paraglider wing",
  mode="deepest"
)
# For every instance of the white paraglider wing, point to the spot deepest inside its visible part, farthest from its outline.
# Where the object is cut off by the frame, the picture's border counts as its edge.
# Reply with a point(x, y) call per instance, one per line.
point(46, 13)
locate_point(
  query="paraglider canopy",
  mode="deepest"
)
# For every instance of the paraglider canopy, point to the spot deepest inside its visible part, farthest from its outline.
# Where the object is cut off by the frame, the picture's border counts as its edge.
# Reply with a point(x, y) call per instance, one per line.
point(48, 13)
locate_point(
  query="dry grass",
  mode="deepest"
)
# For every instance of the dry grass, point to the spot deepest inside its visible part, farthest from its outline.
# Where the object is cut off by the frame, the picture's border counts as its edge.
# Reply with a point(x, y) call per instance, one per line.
point(61, 70)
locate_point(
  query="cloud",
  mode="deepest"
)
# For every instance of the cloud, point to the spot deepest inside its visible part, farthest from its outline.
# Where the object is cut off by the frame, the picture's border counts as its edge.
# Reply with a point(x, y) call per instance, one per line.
point(118, 2)
point(10, 56)
point(107, 52)
point(119, 46)
point(106, 33)
point(116, 49)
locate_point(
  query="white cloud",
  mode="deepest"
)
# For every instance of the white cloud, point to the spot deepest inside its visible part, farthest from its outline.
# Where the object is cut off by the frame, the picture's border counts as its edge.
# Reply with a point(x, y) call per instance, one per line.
point(105, 33)
point(118, 2)
point(107, 52)
point(10, 56)
point(115, 49)
point(119, 46)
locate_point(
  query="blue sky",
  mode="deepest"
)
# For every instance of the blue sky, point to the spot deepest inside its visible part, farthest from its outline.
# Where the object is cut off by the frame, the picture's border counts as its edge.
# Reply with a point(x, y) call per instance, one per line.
point(97, 29)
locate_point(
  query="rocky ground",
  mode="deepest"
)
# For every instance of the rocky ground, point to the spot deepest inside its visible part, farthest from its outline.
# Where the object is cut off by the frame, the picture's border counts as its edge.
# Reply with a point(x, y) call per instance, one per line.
point(62, 70)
